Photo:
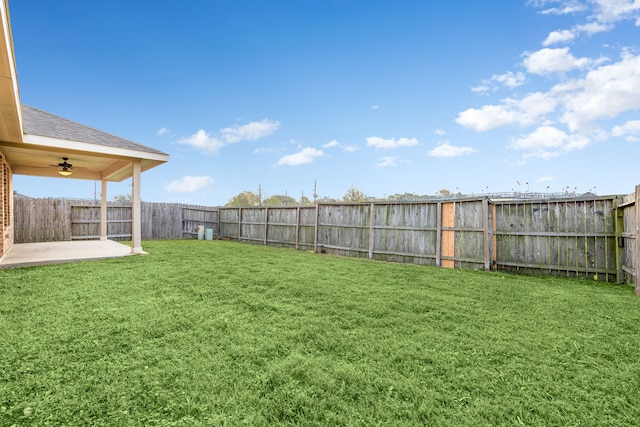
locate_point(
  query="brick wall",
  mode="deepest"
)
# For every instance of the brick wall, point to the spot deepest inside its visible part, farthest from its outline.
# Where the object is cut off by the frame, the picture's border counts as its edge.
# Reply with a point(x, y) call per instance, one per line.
point(6, 206)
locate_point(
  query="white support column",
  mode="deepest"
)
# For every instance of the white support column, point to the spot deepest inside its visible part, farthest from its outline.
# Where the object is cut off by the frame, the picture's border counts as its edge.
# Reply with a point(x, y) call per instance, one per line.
point(136, 210)
point(103, 211)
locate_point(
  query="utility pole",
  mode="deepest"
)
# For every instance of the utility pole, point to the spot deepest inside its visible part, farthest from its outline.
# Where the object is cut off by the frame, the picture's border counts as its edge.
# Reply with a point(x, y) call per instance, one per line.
point(315, 191)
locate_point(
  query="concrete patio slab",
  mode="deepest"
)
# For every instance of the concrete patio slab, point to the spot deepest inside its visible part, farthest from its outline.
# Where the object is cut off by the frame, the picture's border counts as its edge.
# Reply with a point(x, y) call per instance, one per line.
point(33, 254)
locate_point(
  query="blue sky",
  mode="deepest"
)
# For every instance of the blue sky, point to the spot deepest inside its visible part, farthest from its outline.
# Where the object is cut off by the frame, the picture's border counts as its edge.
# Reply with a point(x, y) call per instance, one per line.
point(387, 96)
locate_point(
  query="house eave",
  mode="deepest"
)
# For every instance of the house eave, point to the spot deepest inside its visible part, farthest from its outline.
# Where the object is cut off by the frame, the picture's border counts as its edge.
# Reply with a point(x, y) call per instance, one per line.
point(38, 156)
point(11, 126)
point(64, 145)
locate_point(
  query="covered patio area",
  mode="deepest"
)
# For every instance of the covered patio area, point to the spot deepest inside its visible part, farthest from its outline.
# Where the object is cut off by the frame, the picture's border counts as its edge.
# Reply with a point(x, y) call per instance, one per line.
point(36, 254)
point(34, 142)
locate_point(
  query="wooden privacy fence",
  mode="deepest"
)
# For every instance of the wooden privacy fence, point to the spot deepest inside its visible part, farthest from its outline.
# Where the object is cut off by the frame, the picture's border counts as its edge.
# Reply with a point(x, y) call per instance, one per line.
point(49, 220)
point(590, 237)
point(428, 233)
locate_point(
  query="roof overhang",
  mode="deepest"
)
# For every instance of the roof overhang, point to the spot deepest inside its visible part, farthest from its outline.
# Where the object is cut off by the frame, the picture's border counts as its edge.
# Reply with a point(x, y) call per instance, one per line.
point(10, 111)
point(39, 156)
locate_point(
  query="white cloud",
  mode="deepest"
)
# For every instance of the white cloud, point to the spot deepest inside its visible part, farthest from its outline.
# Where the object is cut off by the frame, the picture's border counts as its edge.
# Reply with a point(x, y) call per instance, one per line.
point(510, 79)
point(593, 28)
point(544, 137)
point(250, 131)
point(375, 107)
point(335, 143)
point(547, 141)
point(548, 61)
point(562, 36)
point(189, 184)
point(163, 131)
point(306, 155)
point(604, 92)
point(208, 144)
point(387, 161)
point(603, 14)
point(565, 7)
point(486, 117)
point(526, 111)
point(389, 144)
point(616, 10)
point(439, 132)
point(332, 143)
point(445, 149)
point(203, 142)
point(630, 131)
point(482, 89)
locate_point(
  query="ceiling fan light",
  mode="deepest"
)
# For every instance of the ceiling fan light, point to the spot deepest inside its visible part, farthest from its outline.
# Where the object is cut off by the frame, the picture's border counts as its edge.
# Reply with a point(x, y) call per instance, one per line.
point(65, 167)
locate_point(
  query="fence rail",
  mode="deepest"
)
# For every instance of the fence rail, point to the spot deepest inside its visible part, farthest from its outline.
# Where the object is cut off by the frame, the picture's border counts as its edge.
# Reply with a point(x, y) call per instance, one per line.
point(586, 236)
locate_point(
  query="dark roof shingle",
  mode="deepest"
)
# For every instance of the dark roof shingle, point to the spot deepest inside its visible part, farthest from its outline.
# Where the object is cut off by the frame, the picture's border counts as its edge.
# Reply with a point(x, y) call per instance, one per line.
point(38, 122)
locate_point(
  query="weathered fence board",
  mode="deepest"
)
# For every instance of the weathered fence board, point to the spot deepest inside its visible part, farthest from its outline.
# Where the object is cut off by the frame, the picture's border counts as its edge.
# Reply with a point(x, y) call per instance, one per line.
point(47, 220)
point(192, 216)
point(405, 233)
point(31, 224)
point(627, 238)
point(560, 237)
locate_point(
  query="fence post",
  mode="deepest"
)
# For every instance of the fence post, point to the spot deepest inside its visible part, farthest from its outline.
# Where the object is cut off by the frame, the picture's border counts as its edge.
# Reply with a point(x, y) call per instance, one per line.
point(439, 235)
point(298, 227)
point(636, 261)
point(619, 229)
point(266, 225)
point(371, 231)
point(487, 232)
point(218, 221)
point(315, 235)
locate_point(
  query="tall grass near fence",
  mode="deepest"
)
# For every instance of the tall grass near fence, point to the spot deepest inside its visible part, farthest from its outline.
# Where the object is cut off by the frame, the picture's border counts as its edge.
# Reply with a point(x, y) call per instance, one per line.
point(219, 333)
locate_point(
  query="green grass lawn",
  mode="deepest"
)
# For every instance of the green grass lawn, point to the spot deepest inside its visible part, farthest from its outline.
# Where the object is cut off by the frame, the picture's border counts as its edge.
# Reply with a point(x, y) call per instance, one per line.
point(203, 333)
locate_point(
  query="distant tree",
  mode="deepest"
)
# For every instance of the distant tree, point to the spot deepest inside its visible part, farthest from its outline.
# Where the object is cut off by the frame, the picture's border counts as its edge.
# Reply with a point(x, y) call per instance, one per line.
point(328, 200)
point(444, 192)
point(353, 194)
point(280, 200)
point(403, 197)
point(122, 198)
point(246, 198)
point(304, 201)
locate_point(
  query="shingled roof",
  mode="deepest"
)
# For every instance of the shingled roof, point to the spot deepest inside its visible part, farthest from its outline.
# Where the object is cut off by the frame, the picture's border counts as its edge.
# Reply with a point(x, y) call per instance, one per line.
point(41, 123)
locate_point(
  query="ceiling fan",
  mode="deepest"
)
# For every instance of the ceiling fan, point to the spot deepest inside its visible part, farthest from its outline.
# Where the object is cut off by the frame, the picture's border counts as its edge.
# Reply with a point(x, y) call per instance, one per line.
point(65, 167)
